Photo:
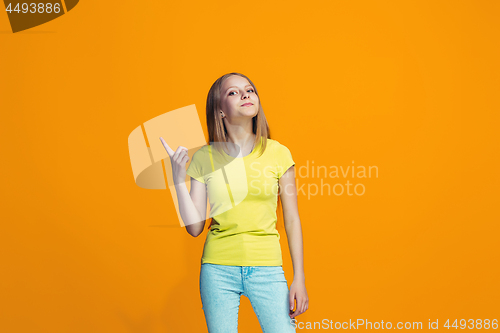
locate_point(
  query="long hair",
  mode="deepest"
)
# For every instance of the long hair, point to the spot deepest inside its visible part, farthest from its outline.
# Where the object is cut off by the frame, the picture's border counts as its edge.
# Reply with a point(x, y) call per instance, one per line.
point(217, 132)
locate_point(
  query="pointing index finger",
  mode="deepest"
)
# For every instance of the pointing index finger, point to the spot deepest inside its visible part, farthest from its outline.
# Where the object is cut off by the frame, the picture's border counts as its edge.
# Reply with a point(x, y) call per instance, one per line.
point(169, 150)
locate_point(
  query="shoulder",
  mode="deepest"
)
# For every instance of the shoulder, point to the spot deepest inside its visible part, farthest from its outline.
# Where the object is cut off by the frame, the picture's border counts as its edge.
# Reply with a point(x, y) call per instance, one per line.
point(202, 149)
point(200, 153)
point(273, 144)
point(277, 146)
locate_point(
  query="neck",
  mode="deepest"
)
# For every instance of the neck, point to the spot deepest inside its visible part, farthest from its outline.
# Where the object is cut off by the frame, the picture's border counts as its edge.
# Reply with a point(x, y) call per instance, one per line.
point(242, 140)
point(245, 142)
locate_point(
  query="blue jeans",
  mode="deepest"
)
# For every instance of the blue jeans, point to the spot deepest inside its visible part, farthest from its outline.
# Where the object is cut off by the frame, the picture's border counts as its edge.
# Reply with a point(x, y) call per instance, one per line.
point(265, 286)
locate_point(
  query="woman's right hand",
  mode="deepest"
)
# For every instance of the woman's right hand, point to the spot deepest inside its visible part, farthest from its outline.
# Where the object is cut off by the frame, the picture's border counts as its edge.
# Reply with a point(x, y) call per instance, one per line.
point(178, 160)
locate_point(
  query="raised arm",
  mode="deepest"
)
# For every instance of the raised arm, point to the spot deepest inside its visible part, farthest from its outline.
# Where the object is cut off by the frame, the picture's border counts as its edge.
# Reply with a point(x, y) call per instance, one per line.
point(192, 206)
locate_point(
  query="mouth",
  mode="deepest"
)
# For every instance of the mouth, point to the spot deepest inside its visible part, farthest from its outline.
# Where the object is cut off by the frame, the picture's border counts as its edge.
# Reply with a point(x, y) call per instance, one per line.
point(247, 104)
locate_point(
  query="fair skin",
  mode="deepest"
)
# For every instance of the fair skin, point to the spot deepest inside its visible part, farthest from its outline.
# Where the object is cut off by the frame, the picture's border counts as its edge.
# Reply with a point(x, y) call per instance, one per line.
point(237, 114)
point(237, 91)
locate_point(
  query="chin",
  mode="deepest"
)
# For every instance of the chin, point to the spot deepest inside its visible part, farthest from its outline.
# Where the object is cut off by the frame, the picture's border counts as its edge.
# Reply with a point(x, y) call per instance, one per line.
point(253, 114)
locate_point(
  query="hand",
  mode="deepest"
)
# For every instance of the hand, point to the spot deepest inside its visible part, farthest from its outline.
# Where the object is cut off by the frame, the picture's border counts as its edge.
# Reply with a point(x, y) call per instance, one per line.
point(178, 160)
point(298, 292)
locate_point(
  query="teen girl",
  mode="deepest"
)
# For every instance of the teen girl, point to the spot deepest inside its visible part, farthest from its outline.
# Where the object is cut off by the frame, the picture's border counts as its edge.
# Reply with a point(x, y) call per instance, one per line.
point(242, 172)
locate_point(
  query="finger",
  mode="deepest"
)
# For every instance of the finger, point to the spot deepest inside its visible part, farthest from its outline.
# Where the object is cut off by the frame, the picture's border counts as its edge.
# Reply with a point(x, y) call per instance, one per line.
point(169, 150)
point(299, 309)
point(184, 159)
point(294, 314)
point(303, 308)
point(292, 303)
point(181, 149)
point(166, 146)
point(179, 152)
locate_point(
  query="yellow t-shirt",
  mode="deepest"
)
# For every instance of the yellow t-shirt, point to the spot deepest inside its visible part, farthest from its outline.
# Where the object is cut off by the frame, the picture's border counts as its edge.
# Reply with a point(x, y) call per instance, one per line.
point(243, 196)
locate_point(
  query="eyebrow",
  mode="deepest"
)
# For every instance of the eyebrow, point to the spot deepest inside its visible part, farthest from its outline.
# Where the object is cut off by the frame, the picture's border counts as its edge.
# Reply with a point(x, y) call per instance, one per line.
point(248, 85)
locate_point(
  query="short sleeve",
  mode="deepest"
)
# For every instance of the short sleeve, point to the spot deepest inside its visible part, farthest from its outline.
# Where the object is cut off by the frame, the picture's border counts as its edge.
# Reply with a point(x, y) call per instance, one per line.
point(284, 159)
point(195, 168)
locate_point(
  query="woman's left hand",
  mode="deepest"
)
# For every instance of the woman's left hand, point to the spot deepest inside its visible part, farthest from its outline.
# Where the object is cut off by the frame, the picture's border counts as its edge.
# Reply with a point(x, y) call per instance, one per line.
point(298, 292)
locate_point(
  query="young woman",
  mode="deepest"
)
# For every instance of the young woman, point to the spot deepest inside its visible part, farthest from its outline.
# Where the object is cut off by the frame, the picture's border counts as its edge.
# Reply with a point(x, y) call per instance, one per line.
point(242, 172)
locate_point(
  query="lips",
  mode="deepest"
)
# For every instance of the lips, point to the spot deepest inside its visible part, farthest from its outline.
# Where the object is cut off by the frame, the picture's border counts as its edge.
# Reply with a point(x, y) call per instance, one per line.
point(247, 104)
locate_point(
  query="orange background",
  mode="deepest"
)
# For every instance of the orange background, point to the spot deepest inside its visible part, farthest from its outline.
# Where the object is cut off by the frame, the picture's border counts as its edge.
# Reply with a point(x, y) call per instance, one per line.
point(411, 87)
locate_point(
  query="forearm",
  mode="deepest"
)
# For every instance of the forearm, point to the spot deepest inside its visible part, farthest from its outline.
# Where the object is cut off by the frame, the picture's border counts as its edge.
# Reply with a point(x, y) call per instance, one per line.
point(190, 215)
point(294, 234)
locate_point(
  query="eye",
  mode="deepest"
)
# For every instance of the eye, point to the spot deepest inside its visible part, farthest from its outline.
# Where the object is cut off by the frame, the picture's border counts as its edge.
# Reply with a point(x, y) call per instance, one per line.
point(250, 89)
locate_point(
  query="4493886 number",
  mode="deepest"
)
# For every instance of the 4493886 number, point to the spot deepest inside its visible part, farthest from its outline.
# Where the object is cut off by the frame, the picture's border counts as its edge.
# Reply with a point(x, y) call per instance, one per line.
point(35, 8)
point(472, 324)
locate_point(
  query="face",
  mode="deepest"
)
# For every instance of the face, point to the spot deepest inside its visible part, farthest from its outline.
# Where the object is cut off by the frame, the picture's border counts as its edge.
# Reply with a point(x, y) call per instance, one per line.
point(238, 98)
